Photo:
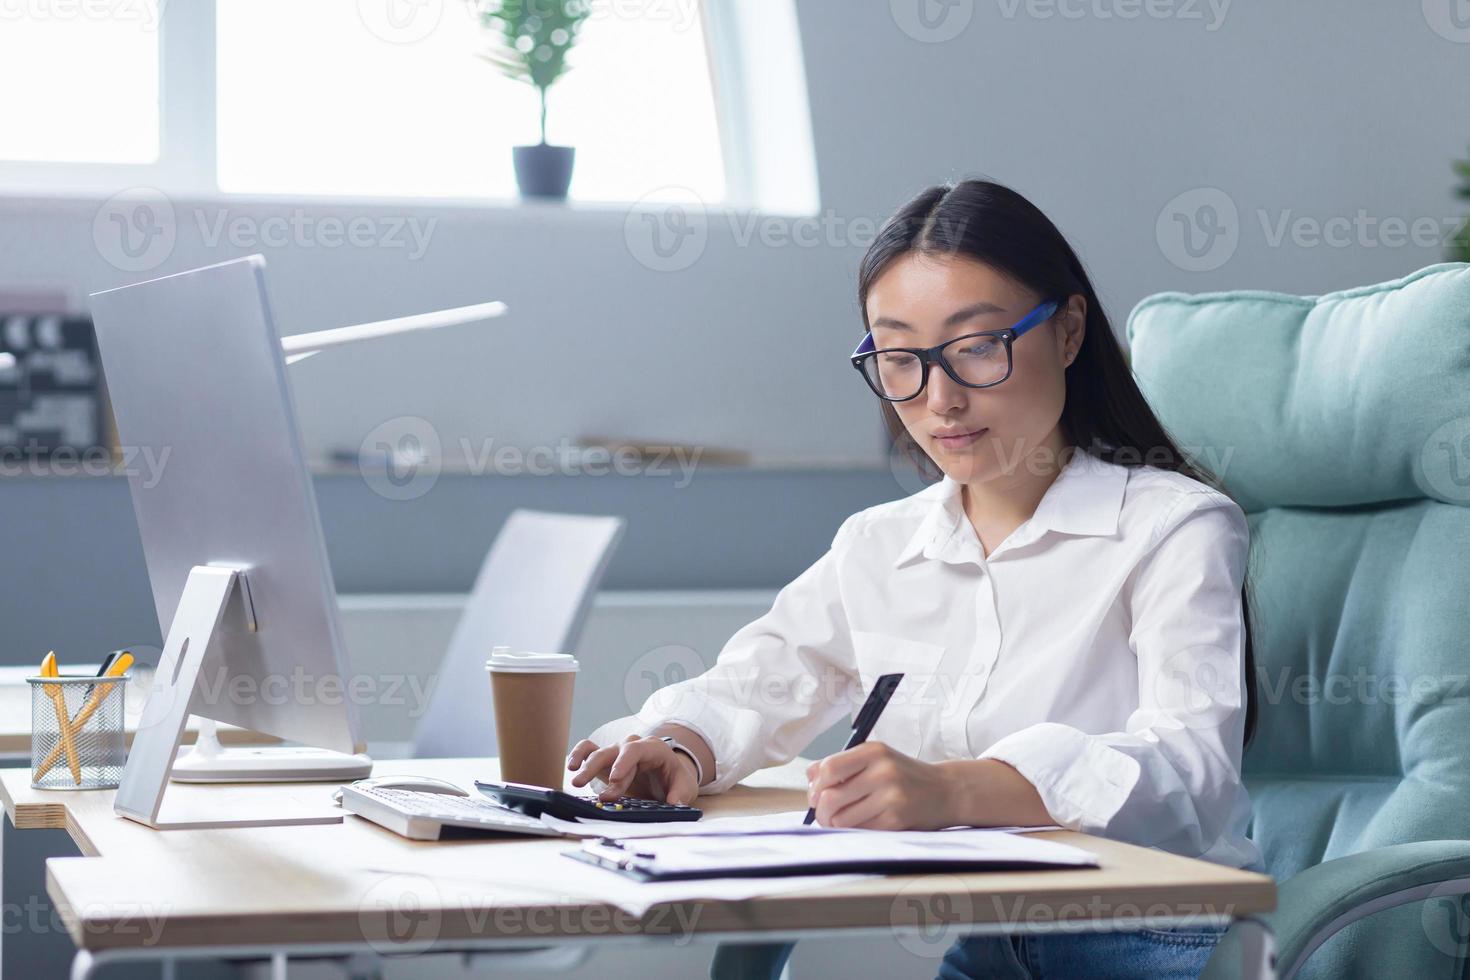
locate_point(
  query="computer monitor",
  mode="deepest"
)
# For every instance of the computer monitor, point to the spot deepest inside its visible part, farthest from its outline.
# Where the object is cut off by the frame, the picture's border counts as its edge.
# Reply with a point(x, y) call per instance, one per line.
point(229, 526)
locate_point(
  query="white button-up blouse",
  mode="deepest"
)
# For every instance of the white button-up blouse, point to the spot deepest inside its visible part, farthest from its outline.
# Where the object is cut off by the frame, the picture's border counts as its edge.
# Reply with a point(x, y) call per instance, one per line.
point(1099, 650)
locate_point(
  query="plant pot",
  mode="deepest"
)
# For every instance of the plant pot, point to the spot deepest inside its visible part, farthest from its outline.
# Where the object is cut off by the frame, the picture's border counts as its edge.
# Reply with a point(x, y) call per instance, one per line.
point(544, 170)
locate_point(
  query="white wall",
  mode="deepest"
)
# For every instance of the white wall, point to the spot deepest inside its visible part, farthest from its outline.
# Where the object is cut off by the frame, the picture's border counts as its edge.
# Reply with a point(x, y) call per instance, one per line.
point(1313, 109)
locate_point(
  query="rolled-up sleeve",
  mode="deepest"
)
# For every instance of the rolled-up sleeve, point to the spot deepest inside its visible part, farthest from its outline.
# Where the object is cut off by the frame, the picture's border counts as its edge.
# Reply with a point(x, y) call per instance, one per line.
point(779, 681)
point(1171, 777)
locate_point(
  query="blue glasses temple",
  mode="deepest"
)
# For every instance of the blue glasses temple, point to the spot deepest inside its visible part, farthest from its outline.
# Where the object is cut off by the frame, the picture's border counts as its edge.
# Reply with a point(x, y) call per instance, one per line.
point(1038, 315)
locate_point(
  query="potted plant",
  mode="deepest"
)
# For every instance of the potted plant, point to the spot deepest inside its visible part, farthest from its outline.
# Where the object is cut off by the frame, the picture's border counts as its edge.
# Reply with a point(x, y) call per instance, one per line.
point(1460, 244)
point(533, 38)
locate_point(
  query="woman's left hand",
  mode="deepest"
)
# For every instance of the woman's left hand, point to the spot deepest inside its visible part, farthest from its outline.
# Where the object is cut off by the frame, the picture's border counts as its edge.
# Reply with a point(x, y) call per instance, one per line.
point(879, 788)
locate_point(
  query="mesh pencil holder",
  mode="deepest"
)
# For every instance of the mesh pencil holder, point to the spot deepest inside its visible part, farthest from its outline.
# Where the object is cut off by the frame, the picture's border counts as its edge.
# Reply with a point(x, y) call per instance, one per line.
point(93, 754)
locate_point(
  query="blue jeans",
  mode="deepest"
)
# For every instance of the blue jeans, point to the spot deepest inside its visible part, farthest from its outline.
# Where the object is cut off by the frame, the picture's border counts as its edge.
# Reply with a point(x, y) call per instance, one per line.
point(1178, 953)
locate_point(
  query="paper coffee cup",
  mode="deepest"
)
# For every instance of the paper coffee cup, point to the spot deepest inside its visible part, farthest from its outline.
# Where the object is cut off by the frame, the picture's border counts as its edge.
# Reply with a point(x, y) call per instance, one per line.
point(532, 695)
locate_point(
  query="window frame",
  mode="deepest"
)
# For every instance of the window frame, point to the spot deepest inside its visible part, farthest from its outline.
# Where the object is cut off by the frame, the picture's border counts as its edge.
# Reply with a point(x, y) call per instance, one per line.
point(187, 165)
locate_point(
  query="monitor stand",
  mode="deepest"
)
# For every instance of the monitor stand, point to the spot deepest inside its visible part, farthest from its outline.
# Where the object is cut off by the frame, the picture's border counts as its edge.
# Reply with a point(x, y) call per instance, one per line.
point(207, 761)
point(210, 593)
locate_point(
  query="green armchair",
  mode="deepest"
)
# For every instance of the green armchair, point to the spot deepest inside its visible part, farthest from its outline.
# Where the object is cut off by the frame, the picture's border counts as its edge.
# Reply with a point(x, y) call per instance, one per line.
point(1342, 424)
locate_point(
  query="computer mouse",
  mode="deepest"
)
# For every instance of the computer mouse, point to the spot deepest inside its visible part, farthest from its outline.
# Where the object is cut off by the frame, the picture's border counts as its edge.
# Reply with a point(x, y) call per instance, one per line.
point(420, 784)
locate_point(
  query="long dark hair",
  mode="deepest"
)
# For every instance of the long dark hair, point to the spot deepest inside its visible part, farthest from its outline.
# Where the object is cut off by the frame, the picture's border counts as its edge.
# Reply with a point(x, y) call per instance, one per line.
point(1105, 414)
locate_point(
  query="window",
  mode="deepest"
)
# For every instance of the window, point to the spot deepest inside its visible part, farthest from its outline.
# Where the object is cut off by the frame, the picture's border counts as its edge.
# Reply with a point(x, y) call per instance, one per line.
point(317, 98)
point(52, 57)
point(390, 98)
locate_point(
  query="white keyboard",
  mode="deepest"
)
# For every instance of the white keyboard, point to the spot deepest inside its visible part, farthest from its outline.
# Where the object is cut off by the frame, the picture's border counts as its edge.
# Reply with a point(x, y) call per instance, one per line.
point(438, 816)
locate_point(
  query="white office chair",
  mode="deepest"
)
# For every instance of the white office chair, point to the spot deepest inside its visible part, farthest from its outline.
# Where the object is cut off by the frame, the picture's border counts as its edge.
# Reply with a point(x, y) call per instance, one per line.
point(533, 593)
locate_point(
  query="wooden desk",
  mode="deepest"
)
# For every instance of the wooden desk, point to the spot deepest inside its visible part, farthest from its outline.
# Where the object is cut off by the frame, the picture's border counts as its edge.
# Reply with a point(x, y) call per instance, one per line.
point(15, 722)
point(302, 889)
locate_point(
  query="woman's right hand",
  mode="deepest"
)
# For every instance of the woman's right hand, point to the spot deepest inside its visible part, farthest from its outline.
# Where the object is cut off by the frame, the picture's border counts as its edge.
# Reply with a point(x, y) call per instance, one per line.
point(641, 767)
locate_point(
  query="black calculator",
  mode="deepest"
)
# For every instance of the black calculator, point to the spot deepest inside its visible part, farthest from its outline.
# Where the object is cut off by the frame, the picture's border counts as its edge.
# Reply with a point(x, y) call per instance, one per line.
point(536, 800)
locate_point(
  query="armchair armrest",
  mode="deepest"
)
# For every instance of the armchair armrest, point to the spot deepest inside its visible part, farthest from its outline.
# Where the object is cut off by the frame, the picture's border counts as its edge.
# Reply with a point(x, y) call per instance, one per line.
point(1315, 904)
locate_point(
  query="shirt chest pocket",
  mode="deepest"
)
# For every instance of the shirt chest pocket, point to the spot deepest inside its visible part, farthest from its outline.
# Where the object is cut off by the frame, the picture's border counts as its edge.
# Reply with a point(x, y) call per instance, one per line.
point(907, 724)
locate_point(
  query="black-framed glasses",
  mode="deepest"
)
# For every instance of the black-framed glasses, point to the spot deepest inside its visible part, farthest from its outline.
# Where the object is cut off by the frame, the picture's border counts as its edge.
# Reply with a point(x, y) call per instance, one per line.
point(976, 360)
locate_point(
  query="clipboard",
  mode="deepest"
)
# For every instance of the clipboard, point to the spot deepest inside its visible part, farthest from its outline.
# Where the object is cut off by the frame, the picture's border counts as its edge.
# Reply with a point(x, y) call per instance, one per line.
point(874, 852)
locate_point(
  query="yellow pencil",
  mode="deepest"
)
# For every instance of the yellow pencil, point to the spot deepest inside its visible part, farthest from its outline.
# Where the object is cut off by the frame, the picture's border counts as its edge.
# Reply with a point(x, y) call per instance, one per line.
point(58, 701)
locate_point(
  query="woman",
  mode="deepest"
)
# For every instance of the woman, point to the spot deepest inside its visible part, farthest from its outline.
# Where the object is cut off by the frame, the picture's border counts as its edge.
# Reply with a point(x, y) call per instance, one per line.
point(1067, 603)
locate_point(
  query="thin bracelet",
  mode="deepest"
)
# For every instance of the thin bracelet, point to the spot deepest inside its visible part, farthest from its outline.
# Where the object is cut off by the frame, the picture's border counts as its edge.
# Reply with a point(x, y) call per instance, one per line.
point(677, 746)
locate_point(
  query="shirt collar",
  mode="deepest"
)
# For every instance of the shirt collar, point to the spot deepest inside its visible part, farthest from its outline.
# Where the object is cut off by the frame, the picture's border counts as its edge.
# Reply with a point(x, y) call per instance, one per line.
point(1085, 498)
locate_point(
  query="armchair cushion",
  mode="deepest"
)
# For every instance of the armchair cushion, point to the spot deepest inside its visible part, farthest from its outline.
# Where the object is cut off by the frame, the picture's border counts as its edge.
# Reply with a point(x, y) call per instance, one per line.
point(1321, 401)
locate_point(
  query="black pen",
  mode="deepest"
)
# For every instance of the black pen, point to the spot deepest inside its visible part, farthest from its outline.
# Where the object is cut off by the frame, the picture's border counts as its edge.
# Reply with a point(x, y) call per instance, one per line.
point(866, 719)
point(102, 671)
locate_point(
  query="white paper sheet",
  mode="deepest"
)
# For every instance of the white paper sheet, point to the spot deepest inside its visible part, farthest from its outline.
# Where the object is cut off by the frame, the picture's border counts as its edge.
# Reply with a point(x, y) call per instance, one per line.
point(742, 853)
point(483, 874)
point(784, 822)
point(765, 823)
point(453, 877)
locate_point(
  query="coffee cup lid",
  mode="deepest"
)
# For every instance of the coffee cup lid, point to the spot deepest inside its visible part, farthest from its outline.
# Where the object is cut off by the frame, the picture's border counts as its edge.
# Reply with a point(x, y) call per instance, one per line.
point(527, 662)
